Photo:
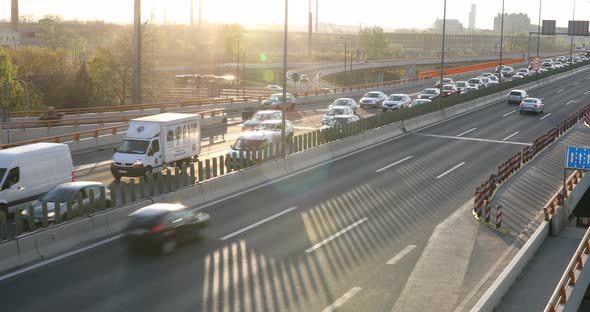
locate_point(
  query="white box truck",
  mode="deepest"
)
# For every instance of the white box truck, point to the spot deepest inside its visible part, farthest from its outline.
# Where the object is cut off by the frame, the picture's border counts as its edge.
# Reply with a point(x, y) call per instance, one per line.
point(156, 142)
point(29, 171)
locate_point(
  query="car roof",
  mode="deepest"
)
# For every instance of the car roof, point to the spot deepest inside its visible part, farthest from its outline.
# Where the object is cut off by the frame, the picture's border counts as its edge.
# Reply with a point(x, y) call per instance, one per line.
point(268, 112)
point(280, 94)
point(430, 89)
point(532, 98)
point(340, 107)
point(79, 184)
point(271, 122)
point(398, 94)
point(157, 209)
point(343, 116)
point(257, 135)
point(374, 92)
point(340, 99)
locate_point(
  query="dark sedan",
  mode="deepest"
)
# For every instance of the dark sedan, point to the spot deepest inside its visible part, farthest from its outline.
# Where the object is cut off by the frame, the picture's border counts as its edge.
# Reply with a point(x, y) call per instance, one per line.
point(163, 226)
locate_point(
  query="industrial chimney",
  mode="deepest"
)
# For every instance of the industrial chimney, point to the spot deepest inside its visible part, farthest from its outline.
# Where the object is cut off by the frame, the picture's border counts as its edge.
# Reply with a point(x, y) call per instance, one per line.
point(14, 16)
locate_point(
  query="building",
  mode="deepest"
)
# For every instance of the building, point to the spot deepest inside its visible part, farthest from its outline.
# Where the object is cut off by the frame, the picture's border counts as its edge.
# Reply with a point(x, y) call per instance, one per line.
point(9, 38)
point(513, 23)
point(452, 26)
point(472, 16)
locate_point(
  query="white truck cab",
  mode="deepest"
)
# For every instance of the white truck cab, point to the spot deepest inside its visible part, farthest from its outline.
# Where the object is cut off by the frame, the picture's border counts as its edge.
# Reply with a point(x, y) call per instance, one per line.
point(157, 141)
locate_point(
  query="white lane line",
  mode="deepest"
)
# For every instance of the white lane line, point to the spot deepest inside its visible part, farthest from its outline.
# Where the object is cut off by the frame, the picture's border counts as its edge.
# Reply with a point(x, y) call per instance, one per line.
point(464, 133)
point(395, 163)
point(52, 260)
point(547, 115)
point(508, 137)
point(586, 93)
point(450, 170)
point(342, 300)
point(90, 166)
point(329, 239)
point(472, 139)
point(510, 113)
point(249, 227)
point(577, 83)
point(401, 254)
point(560, 90)
point(570, 102)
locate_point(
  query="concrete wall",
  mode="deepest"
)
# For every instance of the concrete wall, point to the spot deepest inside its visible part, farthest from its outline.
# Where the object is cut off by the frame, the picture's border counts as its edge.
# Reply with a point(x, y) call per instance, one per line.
point(561, 218)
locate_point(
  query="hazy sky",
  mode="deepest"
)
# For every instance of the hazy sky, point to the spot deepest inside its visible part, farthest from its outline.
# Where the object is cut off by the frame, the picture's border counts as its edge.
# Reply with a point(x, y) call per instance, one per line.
point(384, 13)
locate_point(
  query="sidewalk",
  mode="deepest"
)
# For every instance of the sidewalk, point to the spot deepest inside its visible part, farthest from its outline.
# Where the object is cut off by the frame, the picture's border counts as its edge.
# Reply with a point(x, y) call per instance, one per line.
point(467, 256)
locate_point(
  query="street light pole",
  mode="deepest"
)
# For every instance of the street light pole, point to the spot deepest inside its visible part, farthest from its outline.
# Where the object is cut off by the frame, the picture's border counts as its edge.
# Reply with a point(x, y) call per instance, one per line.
point(572, 41)
point(345, 56)
point(442, 57)
point(238, 72)
point(539, 29)
point(284, 106)
point(501, 37)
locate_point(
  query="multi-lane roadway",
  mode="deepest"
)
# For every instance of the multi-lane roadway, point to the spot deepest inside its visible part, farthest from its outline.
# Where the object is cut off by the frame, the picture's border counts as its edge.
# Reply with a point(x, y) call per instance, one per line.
point(344, 235)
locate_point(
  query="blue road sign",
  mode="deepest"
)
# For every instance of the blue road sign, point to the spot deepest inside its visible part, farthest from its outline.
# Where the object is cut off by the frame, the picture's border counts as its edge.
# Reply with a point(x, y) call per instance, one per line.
point(577, 158)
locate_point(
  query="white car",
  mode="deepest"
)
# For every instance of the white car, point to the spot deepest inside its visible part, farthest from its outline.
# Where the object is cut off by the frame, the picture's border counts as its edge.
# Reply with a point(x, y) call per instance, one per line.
point(336, 111)
point(373, 99)
point(531, 105)
point(276, 126)
point(475, 82)
point(523, 72)
point(516, 77)
point(484, 81)
point(340, 120)
point(418, 102)
point(470, 88)
point(461, 85)
point(274, 88)
point(345, 102)
point(429, 93)
point(487, 75)
point(396, 101)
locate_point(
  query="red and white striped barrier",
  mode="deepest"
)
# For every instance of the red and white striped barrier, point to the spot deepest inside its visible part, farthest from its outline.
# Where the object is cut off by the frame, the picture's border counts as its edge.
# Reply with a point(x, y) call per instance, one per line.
point(499, 216)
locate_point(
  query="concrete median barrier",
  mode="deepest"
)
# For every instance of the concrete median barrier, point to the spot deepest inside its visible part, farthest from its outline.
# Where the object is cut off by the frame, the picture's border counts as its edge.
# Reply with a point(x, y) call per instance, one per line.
point(27, 249)
point(58, 239)
point(8, 255)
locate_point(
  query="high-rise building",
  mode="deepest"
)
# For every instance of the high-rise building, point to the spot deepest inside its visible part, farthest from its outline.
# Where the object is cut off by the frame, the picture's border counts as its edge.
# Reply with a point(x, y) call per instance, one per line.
point(472, 16)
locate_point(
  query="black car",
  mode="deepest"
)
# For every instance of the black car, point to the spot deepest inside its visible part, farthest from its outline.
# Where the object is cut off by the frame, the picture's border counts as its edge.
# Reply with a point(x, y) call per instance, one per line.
point(163, 226)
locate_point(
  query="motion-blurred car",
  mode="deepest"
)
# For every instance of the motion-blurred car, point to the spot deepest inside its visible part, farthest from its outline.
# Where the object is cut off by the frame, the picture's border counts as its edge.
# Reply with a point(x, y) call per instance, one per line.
point(418, 102)
point(275, 101)
point(446, 81)
point(429, 93)
point(277, 126)
point(516, 96)
point(396, 101)
point(448, 90)
point(259, 117)
point(274, 88)
point(340, 120)
point(531, 105)
point(163, 226)
point(51, 114)
point(66, 193)
point(345, 102)
point(336, 111)
point(373, 99)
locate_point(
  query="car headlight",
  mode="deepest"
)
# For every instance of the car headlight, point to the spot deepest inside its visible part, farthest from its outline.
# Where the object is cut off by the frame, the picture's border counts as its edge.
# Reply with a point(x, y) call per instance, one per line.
point(138, 163)
point(51, 214)
point(24, 212)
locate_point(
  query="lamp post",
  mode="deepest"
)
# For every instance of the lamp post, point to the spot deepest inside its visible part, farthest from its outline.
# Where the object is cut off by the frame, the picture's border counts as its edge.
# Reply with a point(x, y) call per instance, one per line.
point(501, 37)
point(572, 41)
point(238, 71)
point(284, 100)
point(345, 55)
point(442, 56)
point(539, 29)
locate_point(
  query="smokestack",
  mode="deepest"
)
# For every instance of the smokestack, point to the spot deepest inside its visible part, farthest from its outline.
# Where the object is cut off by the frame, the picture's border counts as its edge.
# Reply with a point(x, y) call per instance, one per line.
point(14, 16)
point(192, 12)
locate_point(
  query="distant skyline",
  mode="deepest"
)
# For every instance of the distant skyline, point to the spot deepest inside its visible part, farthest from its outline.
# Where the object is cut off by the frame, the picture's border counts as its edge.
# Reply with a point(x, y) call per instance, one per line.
point(393, 14)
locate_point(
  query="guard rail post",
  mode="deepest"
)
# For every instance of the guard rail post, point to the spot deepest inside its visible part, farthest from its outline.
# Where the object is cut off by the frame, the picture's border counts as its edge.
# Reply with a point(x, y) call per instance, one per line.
point(3, 226)
point(201, 170)
point(123, 192)
point(304, 142)
point(18, 223)
point(113, 196)
point(177, 177)
point(242, 164)
point(488, 211)
point(44, 213)
point(31, 218)
point(141, 188)
point(214, 167)
point(102, 197)
point(207, 169)
point(82, 211)
point(498, 216)
point(185, 176)
point(222, 164)
point(160, 181)
point(92, 204)
point(57, 210)
point(192, 173)
point(132, 184)
point(168, 180)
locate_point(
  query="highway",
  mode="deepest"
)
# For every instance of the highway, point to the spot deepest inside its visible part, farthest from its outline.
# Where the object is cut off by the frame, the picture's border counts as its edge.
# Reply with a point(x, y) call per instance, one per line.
point(344, 235)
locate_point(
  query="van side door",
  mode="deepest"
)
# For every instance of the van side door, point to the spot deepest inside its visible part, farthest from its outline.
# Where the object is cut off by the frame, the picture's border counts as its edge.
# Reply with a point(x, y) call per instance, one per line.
point(154, 155)
point(12, 190)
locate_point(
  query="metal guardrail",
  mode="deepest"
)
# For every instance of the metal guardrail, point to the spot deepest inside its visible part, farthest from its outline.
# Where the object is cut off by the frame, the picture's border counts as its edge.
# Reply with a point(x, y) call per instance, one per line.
point(569, 277)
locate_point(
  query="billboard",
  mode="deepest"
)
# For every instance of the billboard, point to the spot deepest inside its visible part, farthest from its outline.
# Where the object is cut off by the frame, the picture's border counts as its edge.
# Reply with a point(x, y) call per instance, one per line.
point(548, 27)
point(577, 28)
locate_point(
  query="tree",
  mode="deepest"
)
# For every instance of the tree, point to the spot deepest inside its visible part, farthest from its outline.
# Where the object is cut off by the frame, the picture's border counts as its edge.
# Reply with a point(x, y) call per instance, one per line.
point(15, 96)
point(109, 81)
point(373, 41)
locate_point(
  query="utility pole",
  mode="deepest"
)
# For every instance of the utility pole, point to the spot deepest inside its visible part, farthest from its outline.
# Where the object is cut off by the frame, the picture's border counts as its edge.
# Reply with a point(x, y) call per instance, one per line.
point(136, 94)
point(442, 57)
point(238, 72)
point(539, 29)
point(284, 100)
point(309, 29)
point(501, 37)
point(317, 8)
point(243, 73)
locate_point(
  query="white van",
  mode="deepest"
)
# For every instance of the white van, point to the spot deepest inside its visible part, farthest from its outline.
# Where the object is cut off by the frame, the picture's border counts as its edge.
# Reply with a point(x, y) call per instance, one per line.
point(28, 171)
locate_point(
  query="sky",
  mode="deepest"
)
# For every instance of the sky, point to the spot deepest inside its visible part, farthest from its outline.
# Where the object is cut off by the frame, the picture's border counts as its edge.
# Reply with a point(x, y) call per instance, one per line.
point(388, 14)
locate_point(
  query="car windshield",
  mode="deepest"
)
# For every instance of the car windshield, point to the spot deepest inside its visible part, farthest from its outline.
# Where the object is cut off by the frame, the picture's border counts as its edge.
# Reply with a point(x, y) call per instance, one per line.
point(429, 91)
point(530, 101)
point(247, 144)
point(340, 102)
point(335, 112)
point(447, 88)
point(372, 95)
point(473, 80)
point(275, 98)
point(336, 121)
point(129, 146)
point(64, 194)
point(269, 126)
point(461, 84)
point(516, 93)
point(396, 98)
point(262, 117)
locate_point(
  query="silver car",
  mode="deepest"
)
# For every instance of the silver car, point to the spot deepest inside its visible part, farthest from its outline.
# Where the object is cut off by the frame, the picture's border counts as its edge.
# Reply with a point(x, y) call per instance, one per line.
point(516, 96)
point(418, 102)
point(396, 101)
point(345, 102)
point(276, 100)
point(259, 117)
point(373, 99)
point(276, 126)
point(336, 111)
point(531, 105)
point(67, 192)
